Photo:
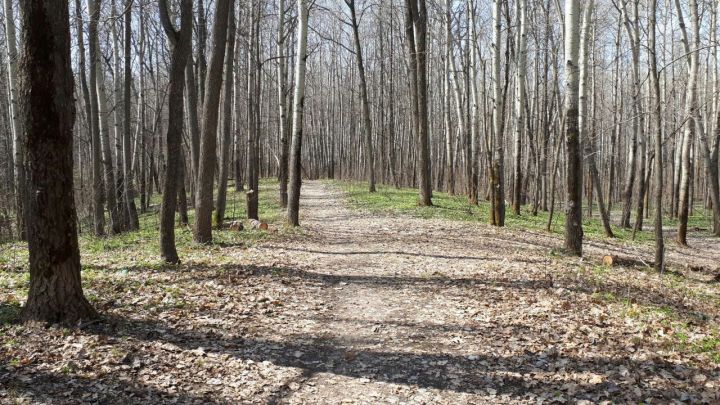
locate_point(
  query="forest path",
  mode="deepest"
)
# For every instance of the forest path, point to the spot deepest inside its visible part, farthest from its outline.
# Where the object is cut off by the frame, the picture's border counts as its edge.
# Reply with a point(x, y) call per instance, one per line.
point(430, 311)
point(360, 308)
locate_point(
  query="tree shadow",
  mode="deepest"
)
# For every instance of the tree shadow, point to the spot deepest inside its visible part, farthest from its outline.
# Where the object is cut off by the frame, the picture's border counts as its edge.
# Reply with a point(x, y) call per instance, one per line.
point(520, 376)
point(41, 386)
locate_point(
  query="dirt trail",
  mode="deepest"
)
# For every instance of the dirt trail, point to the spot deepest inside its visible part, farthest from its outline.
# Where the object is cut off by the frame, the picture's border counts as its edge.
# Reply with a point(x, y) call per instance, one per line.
point(372, 309)
point(420, 311)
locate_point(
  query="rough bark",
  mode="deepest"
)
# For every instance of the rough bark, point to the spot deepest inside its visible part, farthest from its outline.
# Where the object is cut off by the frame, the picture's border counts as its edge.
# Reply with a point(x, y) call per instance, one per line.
point(208, 140)
point(46, 94)
point(574, 172)
point(180, 42)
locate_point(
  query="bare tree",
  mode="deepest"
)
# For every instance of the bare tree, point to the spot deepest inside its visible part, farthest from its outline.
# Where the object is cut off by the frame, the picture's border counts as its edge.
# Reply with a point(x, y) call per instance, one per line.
point(17, 129)
point(129, 184)
point(658, 138)
point(416, 38)
point(180, 42)
point(367, 123)
point(283, 121)
point(226, 124)
point(520, 103)
point(97, 169)
point(208, 141)
point(293, 209)
point(46, 95)
point(497, 171)
point(573, 180)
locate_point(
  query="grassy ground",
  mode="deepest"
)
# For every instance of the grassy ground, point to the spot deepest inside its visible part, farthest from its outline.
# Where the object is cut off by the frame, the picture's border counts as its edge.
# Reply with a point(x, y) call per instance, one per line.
point(404, 201)
point(112, 257)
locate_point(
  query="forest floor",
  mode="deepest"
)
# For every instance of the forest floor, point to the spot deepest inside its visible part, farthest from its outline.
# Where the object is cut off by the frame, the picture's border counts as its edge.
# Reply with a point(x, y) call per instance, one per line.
point(363, 306)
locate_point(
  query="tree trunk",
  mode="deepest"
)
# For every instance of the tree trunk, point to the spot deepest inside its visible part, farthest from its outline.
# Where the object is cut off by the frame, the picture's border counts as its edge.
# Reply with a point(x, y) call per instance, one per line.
point(497, 170)
point(367, 124)
point(574, 173)
point(97, 169)
point(690, 127)
point(520, 105)
point(293, 210)
point(585, 122)
point(180, 42)
point(282, 105)
point(129, 182)
point(226, 125)
point(208, 140)
point(16, 124)
point(46, 94)
point(657, 120)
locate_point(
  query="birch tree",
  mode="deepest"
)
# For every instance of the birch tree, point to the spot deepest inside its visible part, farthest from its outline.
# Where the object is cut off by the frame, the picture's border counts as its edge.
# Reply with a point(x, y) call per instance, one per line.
point(293, 209)
point(519, 103)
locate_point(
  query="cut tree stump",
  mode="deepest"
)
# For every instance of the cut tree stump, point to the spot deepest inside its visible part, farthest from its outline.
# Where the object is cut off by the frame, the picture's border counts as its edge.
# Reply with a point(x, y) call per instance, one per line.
point(255, 224)
point(236, 226)
point(624, 261)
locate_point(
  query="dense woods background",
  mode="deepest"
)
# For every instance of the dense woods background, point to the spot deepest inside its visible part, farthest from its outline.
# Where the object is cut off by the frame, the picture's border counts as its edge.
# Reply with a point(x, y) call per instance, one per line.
point(470, 97)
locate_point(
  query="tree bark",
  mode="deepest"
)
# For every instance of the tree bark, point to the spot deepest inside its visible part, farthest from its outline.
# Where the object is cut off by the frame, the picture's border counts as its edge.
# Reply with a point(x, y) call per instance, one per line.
point(657, 121)
point(574, 172)
point(46, 94)
point(367, 124)
point(282, 105)
point(180, 42)
point(293, 210)
point(16, 123)
point(208, 141)
point(98, 187)
point(497, 170)
point(129, 182)
point(226, 124)
point(520, 104)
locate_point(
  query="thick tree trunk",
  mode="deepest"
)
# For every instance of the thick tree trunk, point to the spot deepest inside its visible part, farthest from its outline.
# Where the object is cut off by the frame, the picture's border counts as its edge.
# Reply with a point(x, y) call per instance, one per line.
point(46, 94)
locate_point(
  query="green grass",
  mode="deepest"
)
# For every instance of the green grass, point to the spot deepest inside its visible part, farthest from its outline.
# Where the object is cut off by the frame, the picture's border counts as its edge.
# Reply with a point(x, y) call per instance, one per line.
point(110, 258)
point(404, 201)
